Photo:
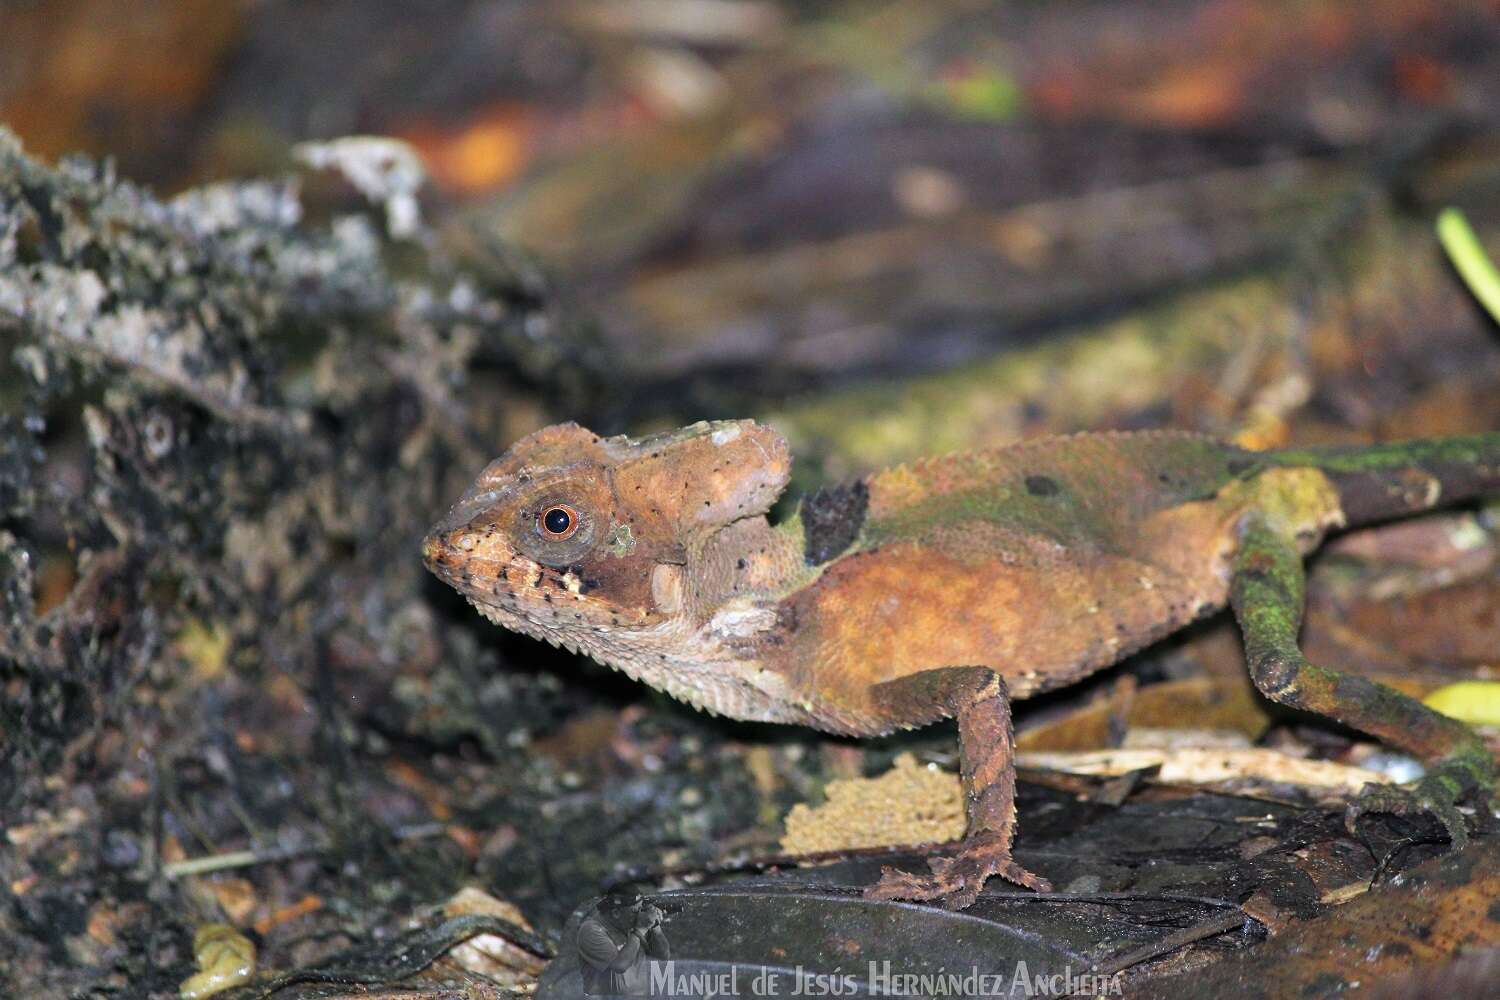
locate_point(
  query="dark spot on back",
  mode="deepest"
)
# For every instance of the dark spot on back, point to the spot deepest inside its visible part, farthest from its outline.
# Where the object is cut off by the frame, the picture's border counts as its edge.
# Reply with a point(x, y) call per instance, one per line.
point(831, 519)
point(1042, 486)
point(1239, 466)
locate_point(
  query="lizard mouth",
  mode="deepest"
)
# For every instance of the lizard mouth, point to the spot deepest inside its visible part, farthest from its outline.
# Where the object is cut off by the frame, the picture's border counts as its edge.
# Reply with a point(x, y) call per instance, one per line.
point(448, 555)
point(445, 558)
point(446, 547)
point(442, 561)
point(436, 554)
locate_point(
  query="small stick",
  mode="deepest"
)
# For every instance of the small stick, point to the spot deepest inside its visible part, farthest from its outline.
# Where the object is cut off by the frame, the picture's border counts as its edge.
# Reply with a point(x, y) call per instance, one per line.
point(1469, 259)
point(734, 865)
point(243, 859)
point(235, 859)
point(1211, 927)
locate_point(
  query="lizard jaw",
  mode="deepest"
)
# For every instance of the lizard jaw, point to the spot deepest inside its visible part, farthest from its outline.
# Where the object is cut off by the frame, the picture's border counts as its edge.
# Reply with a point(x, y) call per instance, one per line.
point(730, 686)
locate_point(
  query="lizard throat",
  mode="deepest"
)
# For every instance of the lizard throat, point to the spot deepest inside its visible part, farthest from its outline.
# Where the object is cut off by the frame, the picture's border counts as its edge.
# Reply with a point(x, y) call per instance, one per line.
point(670, 656)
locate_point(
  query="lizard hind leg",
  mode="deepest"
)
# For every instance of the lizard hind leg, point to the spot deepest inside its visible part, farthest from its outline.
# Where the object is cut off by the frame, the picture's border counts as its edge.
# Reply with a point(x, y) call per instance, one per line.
point(1266, 593)
point(978, 698)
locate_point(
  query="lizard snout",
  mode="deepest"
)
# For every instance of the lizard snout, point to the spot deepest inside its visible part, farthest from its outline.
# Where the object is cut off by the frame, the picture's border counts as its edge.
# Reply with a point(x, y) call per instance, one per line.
point(449, 546)
point(435, 549)
point(462, 557)
point(462, 514)
point(466, 547)
point(447, 543)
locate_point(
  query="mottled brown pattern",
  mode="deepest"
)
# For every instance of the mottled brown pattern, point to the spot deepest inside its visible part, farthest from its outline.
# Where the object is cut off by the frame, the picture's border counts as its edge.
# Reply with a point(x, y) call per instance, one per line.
point(980, 701)
point(1039, 615)
point(940, 589)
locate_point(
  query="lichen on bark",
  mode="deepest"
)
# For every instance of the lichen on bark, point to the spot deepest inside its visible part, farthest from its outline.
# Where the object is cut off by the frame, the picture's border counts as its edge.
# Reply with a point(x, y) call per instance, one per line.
point(226, 419)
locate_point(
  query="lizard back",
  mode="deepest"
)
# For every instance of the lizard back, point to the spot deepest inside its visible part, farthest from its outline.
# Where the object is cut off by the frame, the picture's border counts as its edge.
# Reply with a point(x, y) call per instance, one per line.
point(1045, 560)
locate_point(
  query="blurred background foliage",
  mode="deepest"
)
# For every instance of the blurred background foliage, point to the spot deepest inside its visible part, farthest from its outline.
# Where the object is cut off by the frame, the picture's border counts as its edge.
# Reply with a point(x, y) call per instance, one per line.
point(781, 196)
point(891, 229)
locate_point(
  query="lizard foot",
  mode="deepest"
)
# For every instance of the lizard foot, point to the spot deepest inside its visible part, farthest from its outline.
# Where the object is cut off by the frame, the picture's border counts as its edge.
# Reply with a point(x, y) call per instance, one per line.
point(1437, 794)
point(956, 881)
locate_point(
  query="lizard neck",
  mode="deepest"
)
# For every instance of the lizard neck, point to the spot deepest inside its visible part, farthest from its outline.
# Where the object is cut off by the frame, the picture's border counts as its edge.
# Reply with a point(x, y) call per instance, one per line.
point(745, 565)
point(721, 610)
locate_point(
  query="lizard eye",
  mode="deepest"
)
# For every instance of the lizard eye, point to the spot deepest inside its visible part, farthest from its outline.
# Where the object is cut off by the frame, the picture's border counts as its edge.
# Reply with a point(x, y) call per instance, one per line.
point(560, 526)
point(557, 522)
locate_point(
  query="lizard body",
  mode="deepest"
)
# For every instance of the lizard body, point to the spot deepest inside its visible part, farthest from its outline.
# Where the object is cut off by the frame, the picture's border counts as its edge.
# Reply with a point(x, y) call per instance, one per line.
point(945, 588)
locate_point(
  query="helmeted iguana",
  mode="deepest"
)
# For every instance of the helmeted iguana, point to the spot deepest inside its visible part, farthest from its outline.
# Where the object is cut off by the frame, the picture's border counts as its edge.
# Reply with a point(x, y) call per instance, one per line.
point(948, 587)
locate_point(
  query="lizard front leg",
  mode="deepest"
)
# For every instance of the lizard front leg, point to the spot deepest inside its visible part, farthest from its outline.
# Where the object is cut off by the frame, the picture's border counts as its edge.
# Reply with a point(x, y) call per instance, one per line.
point(1266, 593)
point(978, 698)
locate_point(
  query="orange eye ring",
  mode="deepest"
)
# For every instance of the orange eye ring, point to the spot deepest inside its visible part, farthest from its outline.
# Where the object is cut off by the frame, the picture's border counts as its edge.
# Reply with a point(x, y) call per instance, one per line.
point(557, 522)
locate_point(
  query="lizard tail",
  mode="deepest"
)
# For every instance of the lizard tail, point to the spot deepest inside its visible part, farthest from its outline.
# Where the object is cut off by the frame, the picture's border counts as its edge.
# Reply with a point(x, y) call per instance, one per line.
point(1384, 481)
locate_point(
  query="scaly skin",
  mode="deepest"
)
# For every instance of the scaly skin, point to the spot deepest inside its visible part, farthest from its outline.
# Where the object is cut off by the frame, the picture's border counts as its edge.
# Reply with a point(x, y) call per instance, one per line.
point(945, 588)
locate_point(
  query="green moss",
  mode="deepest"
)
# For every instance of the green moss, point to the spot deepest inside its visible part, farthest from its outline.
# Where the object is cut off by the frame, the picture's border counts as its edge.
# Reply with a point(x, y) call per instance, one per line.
point(1468, 449)
point(1061, 517)
point(1087, 379)
point(620, 541)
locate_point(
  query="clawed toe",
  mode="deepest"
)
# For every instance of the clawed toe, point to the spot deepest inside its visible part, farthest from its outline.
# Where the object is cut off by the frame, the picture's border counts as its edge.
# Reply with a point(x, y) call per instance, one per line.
point(1013, 872)
point(955, 881)
point(897, 884)
point(1437, 794)
point(1408, 802)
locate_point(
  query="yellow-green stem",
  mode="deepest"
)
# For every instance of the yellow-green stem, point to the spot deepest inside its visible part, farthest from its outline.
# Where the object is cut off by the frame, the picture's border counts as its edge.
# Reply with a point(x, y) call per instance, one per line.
point(1468, 256)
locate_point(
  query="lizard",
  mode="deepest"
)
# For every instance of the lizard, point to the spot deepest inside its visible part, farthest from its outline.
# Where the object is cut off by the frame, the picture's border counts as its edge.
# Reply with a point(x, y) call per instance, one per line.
point(948, 587)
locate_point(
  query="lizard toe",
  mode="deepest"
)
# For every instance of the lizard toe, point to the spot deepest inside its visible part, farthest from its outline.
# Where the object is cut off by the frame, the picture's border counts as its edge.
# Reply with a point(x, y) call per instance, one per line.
point(1407, 802)
point(897, 884)
point(955, 881)
point(1013, 872)
point(1436, 794)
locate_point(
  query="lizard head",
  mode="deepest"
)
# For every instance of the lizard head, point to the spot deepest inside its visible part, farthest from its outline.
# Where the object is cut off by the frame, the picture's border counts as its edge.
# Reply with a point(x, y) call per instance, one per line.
point(580, 540)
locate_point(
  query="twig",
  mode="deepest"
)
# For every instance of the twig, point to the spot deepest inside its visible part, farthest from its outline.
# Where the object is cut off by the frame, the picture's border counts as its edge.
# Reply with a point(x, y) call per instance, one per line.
point(255, 856)
point(1469, 259)
point(1211, 927)
point(742, 863)
point(236, 859)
